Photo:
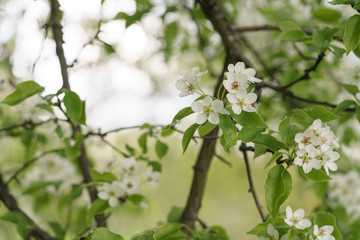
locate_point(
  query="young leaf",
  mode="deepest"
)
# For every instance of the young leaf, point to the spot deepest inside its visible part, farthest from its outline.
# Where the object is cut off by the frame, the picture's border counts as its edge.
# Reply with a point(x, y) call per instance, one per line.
point(206, 128)
point(358, 113)
point(353, 89)
point(352, 33)
point(327, 15)
point(319, 112)
point(103, 233)
point(344, 105)
point(316, 175)
point(229, 129)
point(143, 142)
point(277, 189)
point(249, 119)
point(57, 229)
point(169, 231)
point(287, 131)
point(73, 106)
point(174, 214)
point(23, 226)
point(102, 177)
point(224, 144)
point(23, 91)
point(247, 134)
point(188, 134)
point(182, 113)
point(269, 141)
point(259, 230)
point(294, 36)
point(161, 149)
point(97, 207)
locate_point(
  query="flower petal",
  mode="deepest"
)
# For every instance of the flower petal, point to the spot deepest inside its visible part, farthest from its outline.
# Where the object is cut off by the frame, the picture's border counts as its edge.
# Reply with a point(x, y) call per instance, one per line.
point(197, 106)
point(201, 118)
point(214, 118)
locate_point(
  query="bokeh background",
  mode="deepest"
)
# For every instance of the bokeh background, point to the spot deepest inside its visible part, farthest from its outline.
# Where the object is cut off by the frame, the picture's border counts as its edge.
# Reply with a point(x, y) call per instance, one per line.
point(127, 76)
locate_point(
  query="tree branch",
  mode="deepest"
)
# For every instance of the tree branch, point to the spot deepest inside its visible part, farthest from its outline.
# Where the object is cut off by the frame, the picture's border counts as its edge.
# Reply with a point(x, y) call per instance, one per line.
point(83, 159)
point(10, 202)
point(243, 148)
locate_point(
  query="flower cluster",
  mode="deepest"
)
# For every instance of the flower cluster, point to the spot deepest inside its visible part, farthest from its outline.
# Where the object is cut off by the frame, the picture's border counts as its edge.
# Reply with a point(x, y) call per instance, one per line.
point(316, 148)
point(324, 233)
point(131, 176)
point(56, 170)
point(236, 83)
point(344, 191)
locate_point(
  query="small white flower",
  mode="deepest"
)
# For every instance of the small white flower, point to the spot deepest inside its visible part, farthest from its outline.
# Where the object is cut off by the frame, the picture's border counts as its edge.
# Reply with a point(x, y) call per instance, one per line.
point(208, 110)
point(303, 159)
point(242, 101)
point(238, 69)
point(273, 234)
point(296, 218)
point(303, 139)
point(130, 166)
point(328, 161)
point(189, 82)
point(151, 177)
point(235, 83)
point(143, 206)
point(109, 164)
point(130, 184)
point(111, 192)
point(358, 94)
point(324, 233)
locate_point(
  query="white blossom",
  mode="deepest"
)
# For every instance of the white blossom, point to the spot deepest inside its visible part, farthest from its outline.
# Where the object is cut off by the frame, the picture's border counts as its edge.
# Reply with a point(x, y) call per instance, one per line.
point(239, 69)
point(324, 233)
point(130, 184)
point(143, 205)
point(208, 109)
point(303, 159)
point(328, 161)
point(151, 177)
point(130, 166)
point(296, 218)
point(189, 82)
point(109, 164)
point(111, 192)
point(242, 101)
point(235, 83)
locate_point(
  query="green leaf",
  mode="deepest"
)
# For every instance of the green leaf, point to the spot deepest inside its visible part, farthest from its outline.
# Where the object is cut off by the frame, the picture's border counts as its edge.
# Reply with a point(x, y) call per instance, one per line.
point(170, 32)
point(23, 91)
point(319, 112)
point(59, 131)
point(102, 177)
point(344, 105)
point(327, 15)
point(97, 207)
point(76, 192)
point(274, 158)
point(353, 89)
point(336, 2)
point(259, 230)
point(287, 131)
point(143, 142)
point(82, 119)
point(269, 141)
point(294, 36)
point(325, 218)
point(171, 231)
point(156, 166)
point(103, 233)
point(339, 52)
point(286, 26)
point(323, 37)
point(188, 134)
point(206, 128)
point(148, 235)
point(249, 119)
point(58, 230)
point(182, 113)
point(167, 131)
point(277, 189)
point(259, 150)
point(175, 214)
point(46, 107)
point(221, 233)
point(352, 33)
point(73, 106)
point(316, 175)
point(161, 149)
point(247, 134)
point(23, 226)
point(357, 113)
point(229, 129)
point(224, 144)
point(136, 198)
point(108, 48)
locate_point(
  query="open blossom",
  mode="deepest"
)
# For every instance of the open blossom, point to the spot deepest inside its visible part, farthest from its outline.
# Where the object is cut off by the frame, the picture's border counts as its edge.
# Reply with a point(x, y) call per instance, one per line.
point(235, 83)
point(316, 148)
point(109, 164)
point(130, 184)
point(189, 82)
point(273, 234)
point(208, 109)
point(239, 69)
point(324, 233)
point(296, 218)
point(151, 177)
point(130, 166)
point(242, 101)
point(111, 192)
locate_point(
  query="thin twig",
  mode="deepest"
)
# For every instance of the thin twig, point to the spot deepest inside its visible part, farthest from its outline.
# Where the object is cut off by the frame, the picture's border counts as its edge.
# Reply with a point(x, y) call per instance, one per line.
point(252, 188)
point(223, 160)
point(30, 162)
point(29, 124)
